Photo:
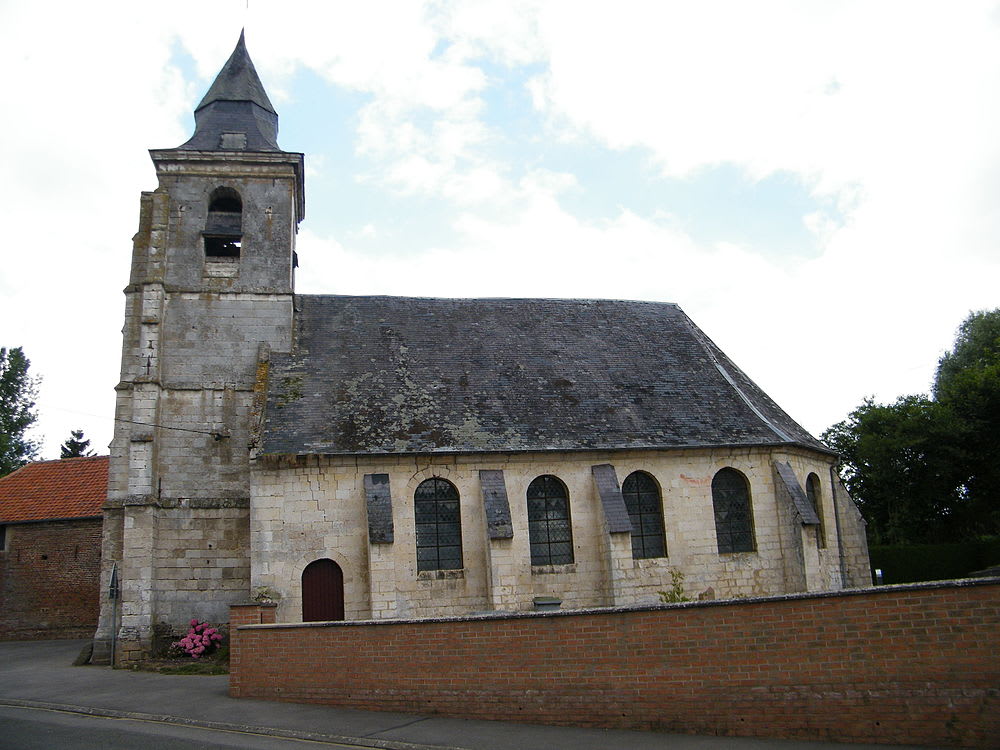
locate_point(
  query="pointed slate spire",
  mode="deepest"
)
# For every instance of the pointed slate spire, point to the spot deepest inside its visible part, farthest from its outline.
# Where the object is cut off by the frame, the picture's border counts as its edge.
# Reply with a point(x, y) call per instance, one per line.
point(238, 81)
point(235, 114)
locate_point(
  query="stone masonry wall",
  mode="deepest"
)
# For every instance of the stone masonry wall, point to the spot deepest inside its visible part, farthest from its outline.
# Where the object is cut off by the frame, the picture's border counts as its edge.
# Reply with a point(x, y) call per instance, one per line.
point(912, 664)
point(49, 579)
point(315, 508)
point(178, 499)
point(201, 564)
point(853, 539)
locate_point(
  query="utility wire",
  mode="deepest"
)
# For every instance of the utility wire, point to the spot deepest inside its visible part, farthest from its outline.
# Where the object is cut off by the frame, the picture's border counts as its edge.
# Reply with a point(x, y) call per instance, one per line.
point(214, 434)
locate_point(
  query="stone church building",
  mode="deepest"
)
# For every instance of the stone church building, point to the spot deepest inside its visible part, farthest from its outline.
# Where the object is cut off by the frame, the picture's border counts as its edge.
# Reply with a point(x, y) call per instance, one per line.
point(404, 457)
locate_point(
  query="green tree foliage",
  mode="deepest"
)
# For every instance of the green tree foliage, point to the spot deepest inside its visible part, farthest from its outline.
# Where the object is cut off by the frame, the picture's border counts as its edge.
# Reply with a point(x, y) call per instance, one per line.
point(968, 387)
point(17, 410)
point(976, 354)
point(897, 462)
point(927, 470)
point(76, 446)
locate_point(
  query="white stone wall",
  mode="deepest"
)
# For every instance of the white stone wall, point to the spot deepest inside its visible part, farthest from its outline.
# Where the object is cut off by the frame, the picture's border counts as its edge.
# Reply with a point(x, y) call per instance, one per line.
point(315, 507)
point(302, 514)
point(822, 561)
point(853, 539)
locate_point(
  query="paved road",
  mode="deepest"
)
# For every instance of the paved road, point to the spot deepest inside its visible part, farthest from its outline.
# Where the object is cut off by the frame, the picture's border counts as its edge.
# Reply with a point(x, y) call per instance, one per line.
point(46, 729)
point(101, 706)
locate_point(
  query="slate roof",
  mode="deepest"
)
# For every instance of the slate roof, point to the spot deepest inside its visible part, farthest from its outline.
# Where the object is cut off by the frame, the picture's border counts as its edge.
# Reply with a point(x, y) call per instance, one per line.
point(379, 375)
point(236, 103)
point(238, 81)
point(66, 488)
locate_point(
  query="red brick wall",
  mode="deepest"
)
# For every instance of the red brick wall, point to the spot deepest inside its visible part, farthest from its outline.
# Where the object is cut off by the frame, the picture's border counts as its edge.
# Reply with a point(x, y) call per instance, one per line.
point(251, 614)
point(49, 579)
point(916, 664)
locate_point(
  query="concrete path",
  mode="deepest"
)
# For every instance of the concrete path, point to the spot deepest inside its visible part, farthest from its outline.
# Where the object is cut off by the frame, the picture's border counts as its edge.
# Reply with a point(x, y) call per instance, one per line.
point(39, 674)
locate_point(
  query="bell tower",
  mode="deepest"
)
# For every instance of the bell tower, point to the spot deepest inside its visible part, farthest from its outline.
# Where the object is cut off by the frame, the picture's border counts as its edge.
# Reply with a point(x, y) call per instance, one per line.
point(210, 294)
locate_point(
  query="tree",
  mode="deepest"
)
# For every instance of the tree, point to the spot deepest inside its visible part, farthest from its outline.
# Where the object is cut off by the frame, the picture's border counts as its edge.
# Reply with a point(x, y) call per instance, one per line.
point(976, 350)
point(928, 469)
point(968, 386)
point(17, 410)
point(898, 463)
point(76, 446)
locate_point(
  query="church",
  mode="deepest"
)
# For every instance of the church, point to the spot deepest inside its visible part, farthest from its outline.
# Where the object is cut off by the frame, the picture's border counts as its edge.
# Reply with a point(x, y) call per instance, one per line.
point(369, 458)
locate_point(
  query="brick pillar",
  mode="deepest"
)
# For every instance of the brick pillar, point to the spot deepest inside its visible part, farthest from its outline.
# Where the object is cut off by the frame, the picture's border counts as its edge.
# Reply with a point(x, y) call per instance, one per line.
point(252, 613)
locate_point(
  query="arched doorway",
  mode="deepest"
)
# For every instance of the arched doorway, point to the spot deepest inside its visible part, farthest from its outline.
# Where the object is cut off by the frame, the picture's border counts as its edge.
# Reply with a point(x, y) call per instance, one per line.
point(322, 591)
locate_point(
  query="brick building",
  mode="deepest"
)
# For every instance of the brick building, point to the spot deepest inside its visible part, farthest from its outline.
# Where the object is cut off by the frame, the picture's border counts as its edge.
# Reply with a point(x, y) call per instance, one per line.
point(377, 457)
point(50, 546)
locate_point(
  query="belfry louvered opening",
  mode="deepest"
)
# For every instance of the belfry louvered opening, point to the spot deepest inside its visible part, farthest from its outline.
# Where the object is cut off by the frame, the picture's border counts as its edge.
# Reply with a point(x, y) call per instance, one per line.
point(223, 233)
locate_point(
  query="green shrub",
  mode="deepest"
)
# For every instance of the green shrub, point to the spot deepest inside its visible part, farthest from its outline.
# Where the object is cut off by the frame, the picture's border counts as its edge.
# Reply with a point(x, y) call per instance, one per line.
point(933, 562)
point(676, 592)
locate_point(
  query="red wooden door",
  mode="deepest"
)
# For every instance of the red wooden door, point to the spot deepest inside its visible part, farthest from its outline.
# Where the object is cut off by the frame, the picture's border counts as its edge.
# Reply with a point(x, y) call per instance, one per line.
point(322, 591)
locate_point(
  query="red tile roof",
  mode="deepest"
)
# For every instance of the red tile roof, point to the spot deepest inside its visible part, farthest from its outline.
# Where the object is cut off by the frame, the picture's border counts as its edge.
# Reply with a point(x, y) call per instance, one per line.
point(66, 488)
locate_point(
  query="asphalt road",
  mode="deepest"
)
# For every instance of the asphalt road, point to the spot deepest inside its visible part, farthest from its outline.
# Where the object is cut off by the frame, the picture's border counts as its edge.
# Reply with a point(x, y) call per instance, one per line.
point(44, 729)
point(47, 703)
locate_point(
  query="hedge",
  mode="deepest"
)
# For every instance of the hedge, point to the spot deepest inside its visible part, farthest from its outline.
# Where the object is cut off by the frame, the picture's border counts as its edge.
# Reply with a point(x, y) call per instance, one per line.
point(933, 562)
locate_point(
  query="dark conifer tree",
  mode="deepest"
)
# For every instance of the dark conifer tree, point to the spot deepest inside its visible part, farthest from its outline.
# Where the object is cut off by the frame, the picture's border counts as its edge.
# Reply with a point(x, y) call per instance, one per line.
point(76, 446)
point(17, 410)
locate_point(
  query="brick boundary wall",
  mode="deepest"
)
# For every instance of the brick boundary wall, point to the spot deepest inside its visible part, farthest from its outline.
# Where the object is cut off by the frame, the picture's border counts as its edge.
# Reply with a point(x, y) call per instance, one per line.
point(908, 664)
point(50, 580)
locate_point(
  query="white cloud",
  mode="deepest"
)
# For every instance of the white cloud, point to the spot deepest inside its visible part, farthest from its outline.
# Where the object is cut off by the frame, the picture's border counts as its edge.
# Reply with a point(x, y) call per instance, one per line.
point(889, 108)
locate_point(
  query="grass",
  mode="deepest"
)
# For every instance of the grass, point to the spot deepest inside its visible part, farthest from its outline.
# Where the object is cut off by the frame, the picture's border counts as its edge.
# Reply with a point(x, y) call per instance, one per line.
point(216, 663)
point(192, 666)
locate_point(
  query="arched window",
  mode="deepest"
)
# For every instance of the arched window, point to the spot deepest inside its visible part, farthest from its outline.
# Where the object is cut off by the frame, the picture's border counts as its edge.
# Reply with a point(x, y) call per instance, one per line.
point(437, 511)
point(733, 514)
point(816, 499)
point(550, 531)
point(642, 499)
point(225, 200)
point(224, 228)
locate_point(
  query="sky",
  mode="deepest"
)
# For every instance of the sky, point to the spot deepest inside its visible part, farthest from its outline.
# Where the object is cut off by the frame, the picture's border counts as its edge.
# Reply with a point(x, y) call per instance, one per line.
point(816, 184)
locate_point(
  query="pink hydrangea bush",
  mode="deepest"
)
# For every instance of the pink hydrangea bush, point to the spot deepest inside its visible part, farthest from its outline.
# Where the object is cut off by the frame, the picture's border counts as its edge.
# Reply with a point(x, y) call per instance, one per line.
point(201, 640)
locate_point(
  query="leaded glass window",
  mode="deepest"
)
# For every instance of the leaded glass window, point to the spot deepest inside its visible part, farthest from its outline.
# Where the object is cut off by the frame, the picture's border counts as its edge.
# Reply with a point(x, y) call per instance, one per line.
point(550, 531)
point(438, 519)
point(642, 500)
point(733, 515)
point(816, 500)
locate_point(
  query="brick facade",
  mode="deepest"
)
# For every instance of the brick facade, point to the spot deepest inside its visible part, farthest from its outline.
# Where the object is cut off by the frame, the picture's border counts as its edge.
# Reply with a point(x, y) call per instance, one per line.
point(910, 664)
point(49, 579)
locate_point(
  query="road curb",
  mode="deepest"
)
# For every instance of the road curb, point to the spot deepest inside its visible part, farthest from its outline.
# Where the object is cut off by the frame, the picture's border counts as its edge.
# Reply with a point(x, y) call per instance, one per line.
point(292, 734)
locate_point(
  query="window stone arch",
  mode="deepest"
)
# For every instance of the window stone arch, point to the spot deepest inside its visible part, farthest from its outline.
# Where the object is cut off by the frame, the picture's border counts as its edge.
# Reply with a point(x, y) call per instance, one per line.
point(815, 494)
point(437, 515)
point(550, 528)
point(733, 512)
point(223, 233)
point(645, 509)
